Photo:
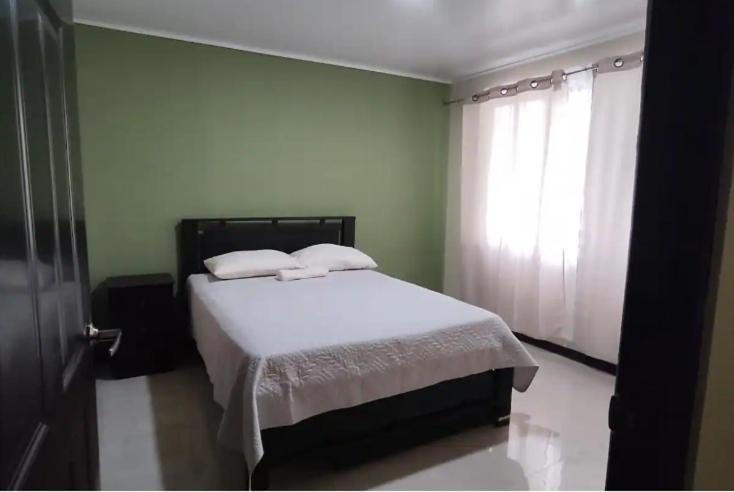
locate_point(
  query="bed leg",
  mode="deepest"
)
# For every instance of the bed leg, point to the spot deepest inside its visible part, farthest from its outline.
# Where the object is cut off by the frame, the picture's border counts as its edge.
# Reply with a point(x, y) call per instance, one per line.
point(502, 397)
point(260, 477)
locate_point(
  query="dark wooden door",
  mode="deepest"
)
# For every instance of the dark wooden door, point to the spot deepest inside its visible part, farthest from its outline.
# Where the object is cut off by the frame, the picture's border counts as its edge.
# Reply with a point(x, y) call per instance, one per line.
point(681, 196)
point(47, 398)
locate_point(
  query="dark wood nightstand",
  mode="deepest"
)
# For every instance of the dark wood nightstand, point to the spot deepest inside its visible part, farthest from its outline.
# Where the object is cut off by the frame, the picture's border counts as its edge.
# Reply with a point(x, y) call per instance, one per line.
point(142, 308)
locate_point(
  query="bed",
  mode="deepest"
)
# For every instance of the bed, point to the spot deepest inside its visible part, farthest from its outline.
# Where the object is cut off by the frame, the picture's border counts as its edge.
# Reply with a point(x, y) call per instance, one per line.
point(353, 364)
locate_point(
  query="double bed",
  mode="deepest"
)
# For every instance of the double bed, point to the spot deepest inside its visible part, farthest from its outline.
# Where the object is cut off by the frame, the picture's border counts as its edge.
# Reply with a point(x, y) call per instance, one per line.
point(354, 361)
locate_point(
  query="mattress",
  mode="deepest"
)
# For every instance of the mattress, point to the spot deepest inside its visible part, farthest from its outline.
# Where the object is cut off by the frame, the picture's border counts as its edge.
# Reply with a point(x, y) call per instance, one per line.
point(280, 352)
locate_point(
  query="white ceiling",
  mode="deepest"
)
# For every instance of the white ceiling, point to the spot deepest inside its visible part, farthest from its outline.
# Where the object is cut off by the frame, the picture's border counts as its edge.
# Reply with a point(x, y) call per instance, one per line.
point(445, 40)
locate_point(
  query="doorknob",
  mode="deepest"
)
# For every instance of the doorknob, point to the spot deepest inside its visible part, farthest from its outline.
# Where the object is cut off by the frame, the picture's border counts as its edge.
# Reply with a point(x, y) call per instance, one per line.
point(92, 333)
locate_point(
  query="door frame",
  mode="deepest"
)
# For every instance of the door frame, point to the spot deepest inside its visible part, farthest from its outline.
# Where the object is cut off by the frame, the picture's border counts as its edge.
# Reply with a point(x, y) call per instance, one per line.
point(683, 178)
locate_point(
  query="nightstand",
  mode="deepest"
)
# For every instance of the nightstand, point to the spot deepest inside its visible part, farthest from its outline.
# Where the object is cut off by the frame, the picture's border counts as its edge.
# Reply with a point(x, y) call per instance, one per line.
point(142, 308)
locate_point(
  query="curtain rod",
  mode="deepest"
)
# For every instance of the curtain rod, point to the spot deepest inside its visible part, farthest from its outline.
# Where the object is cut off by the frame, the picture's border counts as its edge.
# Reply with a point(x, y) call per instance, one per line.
point(609, 64)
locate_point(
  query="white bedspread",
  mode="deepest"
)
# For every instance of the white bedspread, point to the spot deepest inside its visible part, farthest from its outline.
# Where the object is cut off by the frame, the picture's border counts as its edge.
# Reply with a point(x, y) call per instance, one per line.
point(280, 352)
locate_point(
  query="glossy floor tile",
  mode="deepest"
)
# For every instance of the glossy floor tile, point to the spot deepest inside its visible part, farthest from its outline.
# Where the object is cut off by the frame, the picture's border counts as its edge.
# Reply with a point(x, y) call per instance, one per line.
point(159, 432)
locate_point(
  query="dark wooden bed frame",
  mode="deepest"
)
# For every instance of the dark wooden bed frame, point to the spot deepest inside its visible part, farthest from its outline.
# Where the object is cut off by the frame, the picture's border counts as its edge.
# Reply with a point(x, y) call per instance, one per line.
point(366, 431)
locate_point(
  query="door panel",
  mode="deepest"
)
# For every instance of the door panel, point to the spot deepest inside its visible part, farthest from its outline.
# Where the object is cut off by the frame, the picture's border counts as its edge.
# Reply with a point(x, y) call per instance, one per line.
point(88, 448)
point(71, 321)
point(47, 397)
point(68, 62)
point(61, 463)
point(42, 197)
point(20, 397)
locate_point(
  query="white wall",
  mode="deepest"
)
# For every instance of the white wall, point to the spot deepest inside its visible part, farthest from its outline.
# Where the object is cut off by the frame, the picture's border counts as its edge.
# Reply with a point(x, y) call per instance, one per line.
point(576, 58)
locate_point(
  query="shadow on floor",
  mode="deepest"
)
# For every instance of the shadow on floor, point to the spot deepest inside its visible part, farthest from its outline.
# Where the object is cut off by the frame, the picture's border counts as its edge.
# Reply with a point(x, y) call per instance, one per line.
point(186, 423)
point(411, 468)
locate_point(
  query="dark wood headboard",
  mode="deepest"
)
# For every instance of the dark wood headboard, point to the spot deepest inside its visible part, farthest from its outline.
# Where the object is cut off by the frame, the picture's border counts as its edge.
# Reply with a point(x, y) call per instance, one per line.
point(199, 239)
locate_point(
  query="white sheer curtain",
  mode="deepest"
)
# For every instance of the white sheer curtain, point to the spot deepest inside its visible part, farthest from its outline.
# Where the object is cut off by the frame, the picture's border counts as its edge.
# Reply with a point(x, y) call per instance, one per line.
point(605, 231)
point(544, 206)
point(521, 195)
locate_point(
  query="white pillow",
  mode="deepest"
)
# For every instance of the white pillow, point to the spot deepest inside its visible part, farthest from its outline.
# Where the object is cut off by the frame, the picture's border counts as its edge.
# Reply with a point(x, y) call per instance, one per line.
point(244, 264)
point(334, 257)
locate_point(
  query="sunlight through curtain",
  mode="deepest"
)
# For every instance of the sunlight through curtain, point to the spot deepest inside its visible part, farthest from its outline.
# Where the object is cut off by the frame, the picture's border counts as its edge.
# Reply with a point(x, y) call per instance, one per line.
point(521, 197)
point(546, 176)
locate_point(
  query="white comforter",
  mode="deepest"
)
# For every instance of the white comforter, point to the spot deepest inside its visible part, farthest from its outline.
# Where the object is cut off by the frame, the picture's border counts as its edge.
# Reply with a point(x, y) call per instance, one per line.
point(280, 352)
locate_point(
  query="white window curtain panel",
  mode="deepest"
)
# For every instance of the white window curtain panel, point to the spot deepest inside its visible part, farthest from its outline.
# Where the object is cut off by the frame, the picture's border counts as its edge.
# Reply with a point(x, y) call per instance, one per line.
point(544, 209)
point(607, 213)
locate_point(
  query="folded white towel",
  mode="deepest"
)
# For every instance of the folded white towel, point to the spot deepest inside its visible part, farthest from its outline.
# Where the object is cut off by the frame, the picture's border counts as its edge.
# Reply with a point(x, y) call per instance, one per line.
point(300, 273)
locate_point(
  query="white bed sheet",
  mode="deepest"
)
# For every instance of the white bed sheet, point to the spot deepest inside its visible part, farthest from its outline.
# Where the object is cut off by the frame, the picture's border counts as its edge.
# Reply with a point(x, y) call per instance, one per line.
point(280, 352)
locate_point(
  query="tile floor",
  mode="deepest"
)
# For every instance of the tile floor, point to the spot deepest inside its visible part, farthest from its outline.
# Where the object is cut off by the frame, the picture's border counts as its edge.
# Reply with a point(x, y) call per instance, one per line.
point(159, 432)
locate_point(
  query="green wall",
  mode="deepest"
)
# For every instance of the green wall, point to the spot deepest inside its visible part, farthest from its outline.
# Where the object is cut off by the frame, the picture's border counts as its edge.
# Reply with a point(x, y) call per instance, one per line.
point(172, 129)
